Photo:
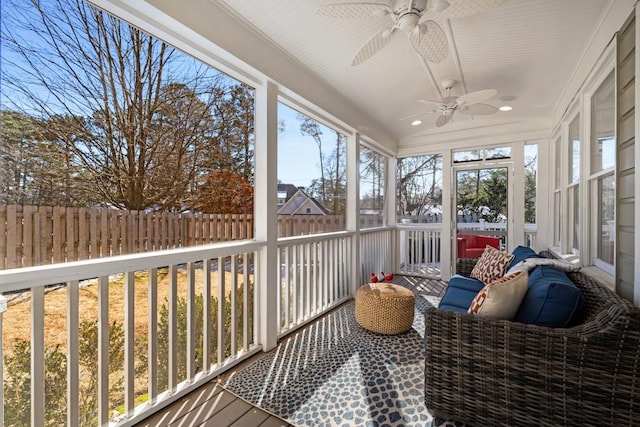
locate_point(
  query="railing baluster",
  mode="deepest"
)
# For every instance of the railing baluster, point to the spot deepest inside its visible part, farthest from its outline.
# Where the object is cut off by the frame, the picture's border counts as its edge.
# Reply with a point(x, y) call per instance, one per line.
point(245, 301)
point(206, 315)
point(280, 281)
point(152, 335)
point(191, 321)
point(287, 286)
point(73, 389)
point(314, 278)
point(37, 356)
point(129, 340)
point(173, 327)
point(103, 351)
point(221, 311)
point(307, 281)
point(233, 291)
point(295, 282)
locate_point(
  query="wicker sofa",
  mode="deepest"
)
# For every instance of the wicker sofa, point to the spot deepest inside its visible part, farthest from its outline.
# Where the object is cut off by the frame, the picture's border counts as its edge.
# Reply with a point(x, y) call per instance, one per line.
point(501, 373)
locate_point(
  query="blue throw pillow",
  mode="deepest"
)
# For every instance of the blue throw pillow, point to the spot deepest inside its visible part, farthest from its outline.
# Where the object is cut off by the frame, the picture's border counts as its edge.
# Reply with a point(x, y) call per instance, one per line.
point(521, 253)
point(459, 293)
point(552, 300)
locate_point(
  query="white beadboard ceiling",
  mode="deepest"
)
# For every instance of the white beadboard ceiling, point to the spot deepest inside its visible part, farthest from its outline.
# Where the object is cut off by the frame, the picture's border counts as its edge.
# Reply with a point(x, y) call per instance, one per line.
point(525, 49)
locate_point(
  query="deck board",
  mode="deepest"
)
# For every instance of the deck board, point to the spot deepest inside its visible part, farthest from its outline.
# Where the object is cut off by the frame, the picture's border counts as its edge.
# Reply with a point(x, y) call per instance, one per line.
point(182, 407)
point(212, 406)
point(206, 410)
point(251, 419)
point(229, 414)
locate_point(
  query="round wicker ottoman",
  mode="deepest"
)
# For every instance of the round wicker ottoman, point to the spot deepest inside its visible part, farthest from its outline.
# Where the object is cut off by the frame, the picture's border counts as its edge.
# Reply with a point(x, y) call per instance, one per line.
point(384, 308)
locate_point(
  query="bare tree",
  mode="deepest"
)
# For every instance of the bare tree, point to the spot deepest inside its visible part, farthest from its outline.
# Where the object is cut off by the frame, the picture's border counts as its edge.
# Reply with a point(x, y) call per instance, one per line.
point(136, 116)
point(311, 127)
point(419, 184)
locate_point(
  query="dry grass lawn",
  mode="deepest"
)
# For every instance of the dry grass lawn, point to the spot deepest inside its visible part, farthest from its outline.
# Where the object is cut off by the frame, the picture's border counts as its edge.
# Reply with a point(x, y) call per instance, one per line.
point(17, 319)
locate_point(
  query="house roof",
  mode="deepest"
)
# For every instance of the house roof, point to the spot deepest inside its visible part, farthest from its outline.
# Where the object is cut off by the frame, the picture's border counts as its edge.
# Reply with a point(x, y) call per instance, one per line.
point(296, 198)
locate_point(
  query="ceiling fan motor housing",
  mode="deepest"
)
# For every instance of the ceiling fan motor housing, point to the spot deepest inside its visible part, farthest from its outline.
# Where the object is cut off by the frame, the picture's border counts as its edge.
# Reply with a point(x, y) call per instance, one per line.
point(401, 7)
point(408, 13)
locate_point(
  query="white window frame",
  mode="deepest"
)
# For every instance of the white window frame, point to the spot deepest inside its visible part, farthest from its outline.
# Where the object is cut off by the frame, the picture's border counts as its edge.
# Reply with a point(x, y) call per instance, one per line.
point(592, 179)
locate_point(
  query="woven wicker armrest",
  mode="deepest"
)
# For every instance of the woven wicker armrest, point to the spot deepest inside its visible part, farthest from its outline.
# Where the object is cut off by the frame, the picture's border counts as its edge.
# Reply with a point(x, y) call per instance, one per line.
point(464, 266)
point(496, 372)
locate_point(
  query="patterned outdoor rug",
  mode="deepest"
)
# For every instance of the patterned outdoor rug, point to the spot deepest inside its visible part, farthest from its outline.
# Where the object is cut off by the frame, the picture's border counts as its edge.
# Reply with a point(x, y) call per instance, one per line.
point(335, 373)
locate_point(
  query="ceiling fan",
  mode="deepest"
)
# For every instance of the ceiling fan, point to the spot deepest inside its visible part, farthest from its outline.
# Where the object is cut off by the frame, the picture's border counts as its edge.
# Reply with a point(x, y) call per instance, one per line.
point(410, 17)
point(469, 103)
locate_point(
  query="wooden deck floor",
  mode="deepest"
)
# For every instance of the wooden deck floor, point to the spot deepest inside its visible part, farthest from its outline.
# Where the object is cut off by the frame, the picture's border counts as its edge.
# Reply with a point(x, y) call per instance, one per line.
point(212, 406)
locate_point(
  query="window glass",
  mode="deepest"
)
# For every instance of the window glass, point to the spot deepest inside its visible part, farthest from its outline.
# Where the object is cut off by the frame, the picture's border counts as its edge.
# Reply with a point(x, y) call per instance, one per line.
point(603, 150)
point(557, 218)
point(602, 159)
point(606, 218)
point(104, 125)
point(498, 153)
point(372, 187)
point(419, 189)
point(558, 147)
point(574, 147)
point(467, 156)
point(575, 213)
point(311, 175)
point(530, 182)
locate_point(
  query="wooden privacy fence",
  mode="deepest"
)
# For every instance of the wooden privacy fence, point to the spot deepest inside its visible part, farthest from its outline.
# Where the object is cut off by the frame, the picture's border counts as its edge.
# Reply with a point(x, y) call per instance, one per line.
point(37, 235)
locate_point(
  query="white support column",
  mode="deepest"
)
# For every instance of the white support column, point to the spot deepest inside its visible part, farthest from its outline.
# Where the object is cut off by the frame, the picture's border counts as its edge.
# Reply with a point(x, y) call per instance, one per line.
point(564, 198)
point(448, 233)
point(515, 226)
point(353, 209)
point(265, 207)
point(390, 210)
point(544, 195)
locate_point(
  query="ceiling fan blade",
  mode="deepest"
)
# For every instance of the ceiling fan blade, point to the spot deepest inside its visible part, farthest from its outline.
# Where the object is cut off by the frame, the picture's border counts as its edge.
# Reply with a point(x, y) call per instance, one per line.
point(443, 118)
point(429, 42)
point(460, 8)
point(354, 10)
point(373, 45)
point(435, 110)
point(475, 97)
point(478, 109)
point(430, 101)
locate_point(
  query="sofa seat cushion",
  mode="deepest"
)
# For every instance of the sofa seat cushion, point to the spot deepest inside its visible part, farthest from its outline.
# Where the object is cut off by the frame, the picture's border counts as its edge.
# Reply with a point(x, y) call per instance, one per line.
point(552, 300)
point(459, 293)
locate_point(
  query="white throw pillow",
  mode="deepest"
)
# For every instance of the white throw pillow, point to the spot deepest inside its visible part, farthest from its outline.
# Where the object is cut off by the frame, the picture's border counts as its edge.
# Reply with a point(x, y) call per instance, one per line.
point(531, 263)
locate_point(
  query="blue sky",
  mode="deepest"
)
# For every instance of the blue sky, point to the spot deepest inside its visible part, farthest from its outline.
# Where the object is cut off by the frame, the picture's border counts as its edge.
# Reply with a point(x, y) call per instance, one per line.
point(298, 157)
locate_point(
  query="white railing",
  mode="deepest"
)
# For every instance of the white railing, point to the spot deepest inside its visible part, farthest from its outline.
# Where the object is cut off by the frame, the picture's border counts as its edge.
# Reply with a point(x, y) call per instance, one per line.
point(376, 252)
point(530, 231)
point(128, 334)
point(313, 277)
point(420, 249)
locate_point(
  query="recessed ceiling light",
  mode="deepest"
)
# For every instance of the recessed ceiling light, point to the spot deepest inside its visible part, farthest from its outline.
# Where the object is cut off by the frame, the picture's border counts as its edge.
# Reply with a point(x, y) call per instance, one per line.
point(505, 108)
point(416, 122)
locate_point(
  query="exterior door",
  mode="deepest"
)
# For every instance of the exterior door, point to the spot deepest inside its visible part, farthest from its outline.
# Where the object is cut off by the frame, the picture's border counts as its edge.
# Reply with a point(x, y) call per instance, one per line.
point(481, 211)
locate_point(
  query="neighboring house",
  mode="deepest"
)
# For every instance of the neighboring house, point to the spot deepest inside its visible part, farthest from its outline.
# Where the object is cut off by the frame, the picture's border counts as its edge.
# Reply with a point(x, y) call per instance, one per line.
point(294, 201)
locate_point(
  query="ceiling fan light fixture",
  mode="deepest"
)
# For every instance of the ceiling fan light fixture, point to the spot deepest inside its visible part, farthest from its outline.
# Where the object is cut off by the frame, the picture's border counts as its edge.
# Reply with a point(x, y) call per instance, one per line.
point(505, 108)
point(416, 122)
